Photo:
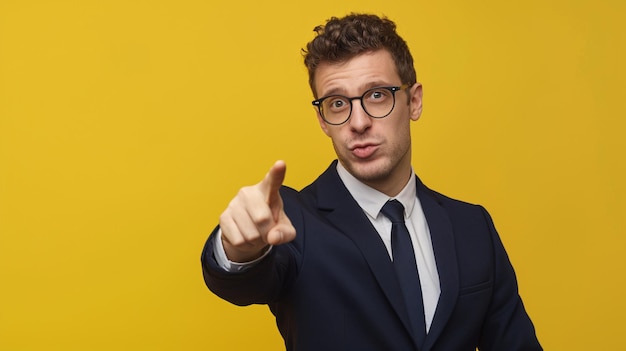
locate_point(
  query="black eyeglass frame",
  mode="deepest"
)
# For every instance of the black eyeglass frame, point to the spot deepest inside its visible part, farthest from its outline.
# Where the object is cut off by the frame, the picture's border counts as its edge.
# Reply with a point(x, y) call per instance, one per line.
point(393, 89)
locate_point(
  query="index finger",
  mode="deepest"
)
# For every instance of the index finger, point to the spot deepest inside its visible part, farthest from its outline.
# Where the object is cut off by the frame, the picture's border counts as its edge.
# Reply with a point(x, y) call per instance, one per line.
point(274, 179)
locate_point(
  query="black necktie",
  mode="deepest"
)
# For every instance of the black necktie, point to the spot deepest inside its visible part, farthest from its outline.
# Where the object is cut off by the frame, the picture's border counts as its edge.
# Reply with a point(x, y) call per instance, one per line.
point(406, 268)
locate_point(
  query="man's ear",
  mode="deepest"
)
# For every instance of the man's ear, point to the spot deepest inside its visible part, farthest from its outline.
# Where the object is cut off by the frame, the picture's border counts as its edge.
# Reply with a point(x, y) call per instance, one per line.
point(415, 101)
point(323, 124)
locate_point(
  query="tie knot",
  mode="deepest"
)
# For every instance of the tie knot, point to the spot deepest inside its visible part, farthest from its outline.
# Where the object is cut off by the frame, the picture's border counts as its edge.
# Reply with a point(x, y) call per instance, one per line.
point(393, 210)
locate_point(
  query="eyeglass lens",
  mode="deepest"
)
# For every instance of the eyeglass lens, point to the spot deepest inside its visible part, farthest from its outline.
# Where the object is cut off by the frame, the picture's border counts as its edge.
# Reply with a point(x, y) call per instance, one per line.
point(377, 102)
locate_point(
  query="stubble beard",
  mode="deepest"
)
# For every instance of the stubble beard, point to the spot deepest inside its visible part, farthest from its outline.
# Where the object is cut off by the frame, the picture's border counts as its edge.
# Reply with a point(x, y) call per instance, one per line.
point(378, 170)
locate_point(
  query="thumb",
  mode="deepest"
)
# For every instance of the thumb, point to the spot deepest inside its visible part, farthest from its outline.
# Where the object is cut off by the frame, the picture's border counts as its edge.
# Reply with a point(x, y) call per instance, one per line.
point(283, 232)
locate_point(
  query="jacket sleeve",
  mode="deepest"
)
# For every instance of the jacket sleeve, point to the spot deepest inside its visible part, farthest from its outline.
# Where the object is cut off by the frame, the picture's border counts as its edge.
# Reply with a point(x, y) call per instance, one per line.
point(266, 281)
point(507, 325)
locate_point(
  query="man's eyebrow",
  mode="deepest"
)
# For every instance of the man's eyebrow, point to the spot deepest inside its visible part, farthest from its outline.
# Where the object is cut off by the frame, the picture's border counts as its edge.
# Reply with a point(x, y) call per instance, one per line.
point(362, 89)
point(334, 91)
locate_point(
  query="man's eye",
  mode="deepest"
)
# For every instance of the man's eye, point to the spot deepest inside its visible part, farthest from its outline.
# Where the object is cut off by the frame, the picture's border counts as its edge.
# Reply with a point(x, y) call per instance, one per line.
point(377, 95)
point(338, 103)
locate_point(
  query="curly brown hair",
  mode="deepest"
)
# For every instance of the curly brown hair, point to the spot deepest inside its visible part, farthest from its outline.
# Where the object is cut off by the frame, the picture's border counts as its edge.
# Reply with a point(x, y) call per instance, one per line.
point(341, 39)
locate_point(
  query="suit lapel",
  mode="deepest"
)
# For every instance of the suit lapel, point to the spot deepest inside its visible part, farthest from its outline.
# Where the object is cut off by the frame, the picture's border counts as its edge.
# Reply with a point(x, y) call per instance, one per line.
point(445, 256)
point(344, 213)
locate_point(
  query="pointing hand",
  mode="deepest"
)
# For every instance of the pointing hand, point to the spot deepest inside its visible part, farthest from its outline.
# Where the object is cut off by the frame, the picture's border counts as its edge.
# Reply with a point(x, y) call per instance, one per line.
point(255, 218)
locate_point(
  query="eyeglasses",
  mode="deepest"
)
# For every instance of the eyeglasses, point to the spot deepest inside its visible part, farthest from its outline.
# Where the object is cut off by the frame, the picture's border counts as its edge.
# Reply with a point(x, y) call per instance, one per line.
point(376, 102)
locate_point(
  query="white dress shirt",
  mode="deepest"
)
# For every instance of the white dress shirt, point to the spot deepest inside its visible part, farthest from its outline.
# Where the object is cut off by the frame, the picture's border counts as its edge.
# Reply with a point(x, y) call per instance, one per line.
point(372, 201)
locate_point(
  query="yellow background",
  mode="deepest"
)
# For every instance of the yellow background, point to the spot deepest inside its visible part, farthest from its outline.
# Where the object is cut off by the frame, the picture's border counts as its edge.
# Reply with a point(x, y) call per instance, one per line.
point(127, 126)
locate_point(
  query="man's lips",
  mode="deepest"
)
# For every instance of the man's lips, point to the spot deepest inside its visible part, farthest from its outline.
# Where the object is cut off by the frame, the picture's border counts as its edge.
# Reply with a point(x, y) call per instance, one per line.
point(363, 150)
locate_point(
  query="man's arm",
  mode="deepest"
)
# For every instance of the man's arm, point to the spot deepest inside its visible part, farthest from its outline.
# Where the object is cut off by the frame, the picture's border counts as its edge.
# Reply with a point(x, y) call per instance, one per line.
point(254, 221)
point(507, 325)
point(228, 265)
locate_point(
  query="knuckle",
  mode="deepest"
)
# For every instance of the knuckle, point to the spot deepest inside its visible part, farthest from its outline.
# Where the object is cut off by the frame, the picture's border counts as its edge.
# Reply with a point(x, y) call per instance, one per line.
point(262, 218)
point(243, 243)
point(224, 216)
point(246, 192)
point(237, 241)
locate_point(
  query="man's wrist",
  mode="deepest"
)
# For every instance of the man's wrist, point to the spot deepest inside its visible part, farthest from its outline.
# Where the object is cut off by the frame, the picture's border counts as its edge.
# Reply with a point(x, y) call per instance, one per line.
point(232, 266)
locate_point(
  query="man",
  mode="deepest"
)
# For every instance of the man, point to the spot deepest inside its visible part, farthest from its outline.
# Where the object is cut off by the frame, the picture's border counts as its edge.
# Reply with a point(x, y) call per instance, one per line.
point(337, 267)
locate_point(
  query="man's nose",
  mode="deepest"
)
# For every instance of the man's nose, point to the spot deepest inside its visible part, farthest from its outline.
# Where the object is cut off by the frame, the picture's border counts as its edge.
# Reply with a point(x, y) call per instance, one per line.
point(359, 120)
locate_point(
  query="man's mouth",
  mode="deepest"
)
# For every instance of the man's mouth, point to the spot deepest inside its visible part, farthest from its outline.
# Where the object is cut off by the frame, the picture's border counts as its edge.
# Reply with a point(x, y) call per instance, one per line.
point(364, 150)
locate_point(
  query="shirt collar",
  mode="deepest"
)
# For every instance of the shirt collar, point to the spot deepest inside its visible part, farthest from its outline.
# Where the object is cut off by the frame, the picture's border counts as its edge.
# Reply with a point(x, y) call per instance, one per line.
point(372, 200)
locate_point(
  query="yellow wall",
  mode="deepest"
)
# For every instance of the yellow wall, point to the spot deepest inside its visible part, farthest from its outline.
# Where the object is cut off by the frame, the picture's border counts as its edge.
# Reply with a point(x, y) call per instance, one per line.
point(126, 127)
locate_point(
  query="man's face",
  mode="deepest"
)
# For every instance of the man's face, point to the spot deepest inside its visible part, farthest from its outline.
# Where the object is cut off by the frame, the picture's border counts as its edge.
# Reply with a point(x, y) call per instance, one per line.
point(375, 151)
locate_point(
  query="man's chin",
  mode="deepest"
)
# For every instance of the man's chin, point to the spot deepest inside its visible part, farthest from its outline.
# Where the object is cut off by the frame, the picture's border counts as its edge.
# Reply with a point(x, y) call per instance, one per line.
point(367, 171)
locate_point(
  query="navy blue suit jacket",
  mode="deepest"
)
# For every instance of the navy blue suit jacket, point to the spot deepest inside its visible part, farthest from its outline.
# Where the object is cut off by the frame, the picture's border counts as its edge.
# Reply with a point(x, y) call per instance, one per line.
point(334, 286)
